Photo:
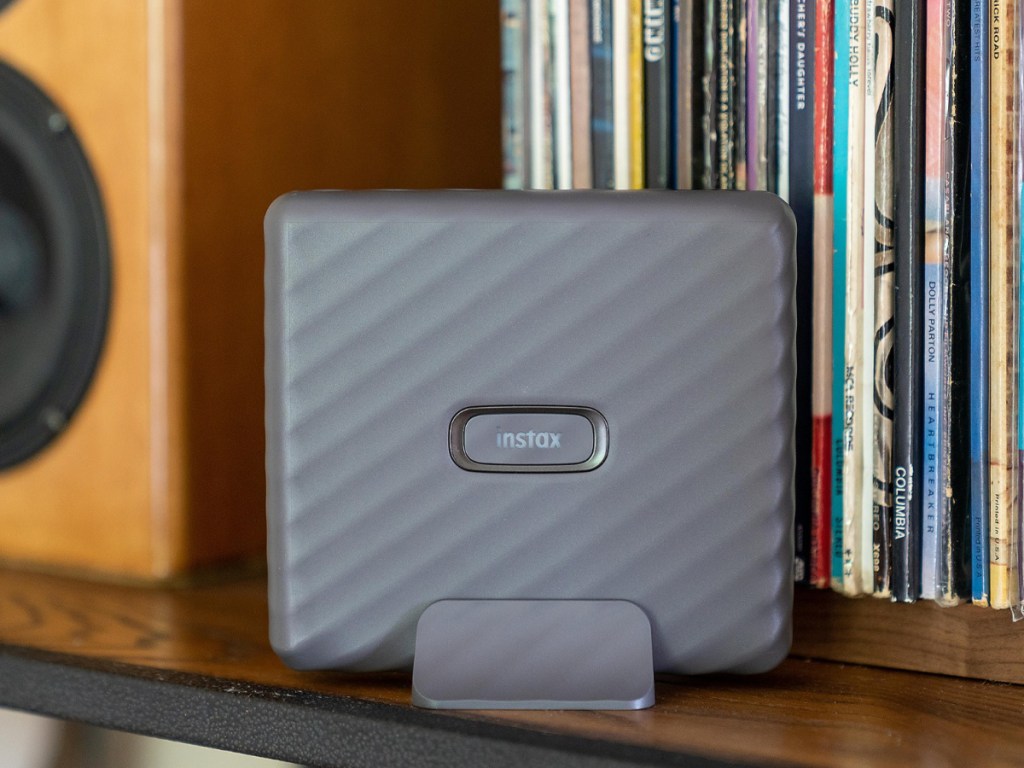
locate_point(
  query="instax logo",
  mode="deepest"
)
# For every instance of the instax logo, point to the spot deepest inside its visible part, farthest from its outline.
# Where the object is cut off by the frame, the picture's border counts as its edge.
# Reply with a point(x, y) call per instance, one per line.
point(529, 439)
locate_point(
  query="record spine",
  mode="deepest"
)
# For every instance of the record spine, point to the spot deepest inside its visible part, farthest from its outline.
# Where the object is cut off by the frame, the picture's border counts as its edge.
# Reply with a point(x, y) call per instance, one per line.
point(954, 454)
point(864, 377)
point(561, 92)
point(725, 115)
point(620, 88)
point(739, 157)
point(979, 120)
point(821, 449)
point(539, 136)
point(782, 140)
point(801, 200)
point(840, 168)
point(579, 76)
point(908, 141)
point(637, 169)
point(772, 99)
point(882, 230)
point(759, 96)
point(934, 353)
point(656, 92)
point(709, 96)
point(513, 91)
point(856, 498)
point(602, 95)
point(685, 107)
point(1003, 277)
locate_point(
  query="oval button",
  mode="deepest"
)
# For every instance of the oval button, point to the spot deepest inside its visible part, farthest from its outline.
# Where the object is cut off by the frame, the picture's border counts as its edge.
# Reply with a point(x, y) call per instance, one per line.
point(528, 439)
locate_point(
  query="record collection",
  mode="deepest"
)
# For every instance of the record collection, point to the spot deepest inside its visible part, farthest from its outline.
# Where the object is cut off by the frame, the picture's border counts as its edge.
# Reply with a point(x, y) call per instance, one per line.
point(894, 130)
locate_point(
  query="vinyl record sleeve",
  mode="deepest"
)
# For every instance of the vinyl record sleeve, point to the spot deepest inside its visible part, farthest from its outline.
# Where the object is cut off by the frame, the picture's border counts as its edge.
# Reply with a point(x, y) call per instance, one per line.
point(670, 313)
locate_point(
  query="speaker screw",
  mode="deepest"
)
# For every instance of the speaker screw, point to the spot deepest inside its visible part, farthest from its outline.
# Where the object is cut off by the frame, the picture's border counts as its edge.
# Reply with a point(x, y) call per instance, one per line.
point(57, 123)
point(54, 420)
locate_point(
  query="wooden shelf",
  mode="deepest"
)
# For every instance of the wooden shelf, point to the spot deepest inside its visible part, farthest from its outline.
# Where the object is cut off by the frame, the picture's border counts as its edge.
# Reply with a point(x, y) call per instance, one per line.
point(193, 664)
point(965, 641)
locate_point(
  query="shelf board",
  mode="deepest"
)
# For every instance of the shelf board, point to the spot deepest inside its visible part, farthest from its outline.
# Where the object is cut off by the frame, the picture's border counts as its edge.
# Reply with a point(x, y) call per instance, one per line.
point(193, 664)
point(965, 640)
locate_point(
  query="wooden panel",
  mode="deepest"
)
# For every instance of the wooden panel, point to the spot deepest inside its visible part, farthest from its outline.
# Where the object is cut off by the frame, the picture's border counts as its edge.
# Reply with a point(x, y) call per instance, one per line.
point(966, 640)
point(804, 713)
point(84, 502)
point(282, 95)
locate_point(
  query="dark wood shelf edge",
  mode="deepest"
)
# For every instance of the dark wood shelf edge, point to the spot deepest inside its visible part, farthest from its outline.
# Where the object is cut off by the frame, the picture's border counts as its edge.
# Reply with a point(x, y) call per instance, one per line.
point(962, 641)
point(285, 724)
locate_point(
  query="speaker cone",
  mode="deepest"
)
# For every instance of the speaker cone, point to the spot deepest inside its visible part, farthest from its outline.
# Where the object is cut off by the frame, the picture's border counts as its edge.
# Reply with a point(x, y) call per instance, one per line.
point(54, 269)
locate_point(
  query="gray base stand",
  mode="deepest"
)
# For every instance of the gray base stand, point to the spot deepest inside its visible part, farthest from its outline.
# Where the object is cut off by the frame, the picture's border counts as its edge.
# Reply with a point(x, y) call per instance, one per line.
point(533, 654)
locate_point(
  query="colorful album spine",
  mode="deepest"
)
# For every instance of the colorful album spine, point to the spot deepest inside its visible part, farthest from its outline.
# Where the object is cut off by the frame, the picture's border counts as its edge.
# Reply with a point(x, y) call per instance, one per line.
point(979, 122)
point(725, 115)
point(512, 108)
point(1017, 591)
point(1003, 278)
point(864, 377)
point(636, 95)
point(954, 454)
point(580, 94)
point(602, 95)
point(883, 32)
point(561, 97)
point(685, 108)
point(1017, 568)
point(801, 200)
point(621, 109)
point(821, 325)
point(908, 156)
point(840, 168)
point(856, 498)
point(657, 77)
point(935, 118)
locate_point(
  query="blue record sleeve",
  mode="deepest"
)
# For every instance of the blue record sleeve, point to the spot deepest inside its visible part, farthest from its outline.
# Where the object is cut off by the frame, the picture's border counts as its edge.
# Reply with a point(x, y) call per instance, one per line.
point(979, 120)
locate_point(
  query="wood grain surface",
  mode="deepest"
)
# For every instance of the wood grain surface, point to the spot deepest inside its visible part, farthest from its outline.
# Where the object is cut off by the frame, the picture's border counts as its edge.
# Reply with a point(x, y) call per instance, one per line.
point(804, 713)
point(966, 641)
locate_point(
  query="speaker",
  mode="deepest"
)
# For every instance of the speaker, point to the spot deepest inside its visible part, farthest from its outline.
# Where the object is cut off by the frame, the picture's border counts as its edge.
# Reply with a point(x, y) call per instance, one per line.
point(140, 144)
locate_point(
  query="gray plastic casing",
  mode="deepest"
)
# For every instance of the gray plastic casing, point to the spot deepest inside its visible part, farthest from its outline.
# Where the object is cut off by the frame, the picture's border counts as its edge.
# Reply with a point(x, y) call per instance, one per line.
point(670, 313)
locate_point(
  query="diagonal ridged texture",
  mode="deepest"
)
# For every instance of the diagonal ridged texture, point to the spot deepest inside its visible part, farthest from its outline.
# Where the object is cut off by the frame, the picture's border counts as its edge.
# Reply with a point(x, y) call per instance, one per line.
point(670, 313)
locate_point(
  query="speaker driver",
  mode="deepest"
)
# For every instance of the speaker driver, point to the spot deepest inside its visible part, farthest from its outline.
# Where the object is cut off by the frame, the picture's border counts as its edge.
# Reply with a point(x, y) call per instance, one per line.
point(54, 269)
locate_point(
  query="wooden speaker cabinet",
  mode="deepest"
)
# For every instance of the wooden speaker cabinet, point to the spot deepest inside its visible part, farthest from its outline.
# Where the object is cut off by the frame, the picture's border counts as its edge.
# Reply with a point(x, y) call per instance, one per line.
point(194, 115)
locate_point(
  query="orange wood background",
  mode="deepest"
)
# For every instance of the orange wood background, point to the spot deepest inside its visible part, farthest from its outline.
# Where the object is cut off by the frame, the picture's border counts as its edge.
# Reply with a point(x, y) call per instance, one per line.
point(195, 116)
